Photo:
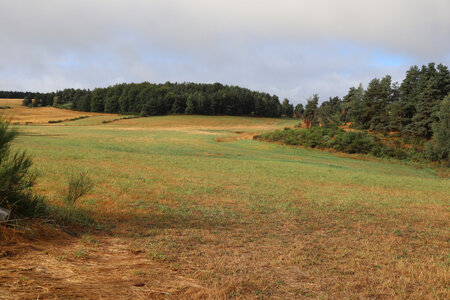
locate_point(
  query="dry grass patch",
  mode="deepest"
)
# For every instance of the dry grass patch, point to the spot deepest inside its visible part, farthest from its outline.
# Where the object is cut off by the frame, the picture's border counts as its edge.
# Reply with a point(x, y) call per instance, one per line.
point(19, 114)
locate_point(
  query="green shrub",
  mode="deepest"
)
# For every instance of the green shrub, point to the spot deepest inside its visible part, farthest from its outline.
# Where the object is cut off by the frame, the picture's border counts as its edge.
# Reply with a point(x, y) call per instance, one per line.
point(77, 186)
point(337, 139)
point(16, 180)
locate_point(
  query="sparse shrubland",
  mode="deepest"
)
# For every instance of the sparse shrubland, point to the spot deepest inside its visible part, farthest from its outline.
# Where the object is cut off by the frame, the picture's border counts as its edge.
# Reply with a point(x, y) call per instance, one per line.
point(337, 139)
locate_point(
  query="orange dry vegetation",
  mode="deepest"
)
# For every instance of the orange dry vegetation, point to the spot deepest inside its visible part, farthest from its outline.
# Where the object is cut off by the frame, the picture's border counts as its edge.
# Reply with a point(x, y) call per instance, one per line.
point(19, 114)
point(59, 266)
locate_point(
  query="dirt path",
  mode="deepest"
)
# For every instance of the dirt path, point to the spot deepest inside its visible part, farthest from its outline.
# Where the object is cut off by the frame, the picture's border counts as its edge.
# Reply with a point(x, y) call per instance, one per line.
point(88, 268)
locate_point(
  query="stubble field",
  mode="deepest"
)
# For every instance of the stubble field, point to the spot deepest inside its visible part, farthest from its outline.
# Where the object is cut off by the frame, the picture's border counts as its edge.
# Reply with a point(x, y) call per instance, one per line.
point(191, 207)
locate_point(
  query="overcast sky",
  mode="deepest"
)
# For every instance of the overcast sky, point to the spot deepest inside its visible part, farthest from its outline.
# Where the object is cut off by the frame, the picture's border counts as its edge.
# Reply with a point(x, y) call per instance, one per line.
point(292, 48)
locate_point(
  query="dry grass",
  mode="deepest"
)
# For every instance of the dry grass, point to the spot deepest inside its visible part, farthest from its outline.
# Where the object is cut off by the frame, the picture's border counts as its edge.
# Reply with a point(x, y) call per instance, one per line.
point(19, 114)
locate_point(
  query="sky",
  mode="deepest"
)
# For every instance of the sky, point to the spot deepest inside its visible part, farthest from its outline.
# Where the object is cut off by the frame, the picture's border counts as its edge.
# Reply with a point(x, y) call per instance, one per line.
point(291, 48)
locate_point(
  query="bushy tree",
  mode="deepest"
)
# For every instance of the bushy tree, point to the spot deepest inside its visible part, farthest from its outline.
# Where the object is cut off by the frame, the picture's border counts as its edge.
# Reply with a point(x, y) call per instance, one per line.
point(352, 109)
point(287, 109)
point(439, 149)
point(16, 180)
point(298, 111)
point(309, 115)
point(329, 112)
point(27, 100)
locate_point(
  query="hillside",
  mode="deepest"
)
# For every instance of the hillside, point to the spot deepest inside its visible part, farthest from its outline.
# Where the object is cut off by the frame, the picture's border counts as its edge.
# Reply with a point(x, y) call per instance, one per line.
point(184, 208)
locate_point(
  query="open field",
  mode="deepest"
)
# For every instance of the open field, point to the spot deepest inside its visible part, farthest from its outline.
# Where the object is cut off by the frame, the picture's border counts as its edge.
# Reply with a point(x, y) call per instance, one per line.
point(18, 114)
point(190, 207)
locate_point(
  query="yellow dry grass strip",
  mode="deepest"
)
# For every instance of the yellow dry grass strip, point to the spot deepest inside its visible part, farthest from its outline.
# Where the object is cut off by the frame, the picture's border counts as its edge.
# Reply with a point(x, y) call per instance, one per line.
point(41, 115)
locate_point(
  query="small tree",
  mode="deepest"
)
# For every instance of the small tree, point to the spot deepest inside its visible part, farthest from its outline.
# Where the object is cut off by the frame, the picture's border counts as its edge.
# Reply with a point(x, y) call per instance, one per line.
point(16, 180)
point(287, 109)
point(298, 112)
point(27, 100)
point(309, 115)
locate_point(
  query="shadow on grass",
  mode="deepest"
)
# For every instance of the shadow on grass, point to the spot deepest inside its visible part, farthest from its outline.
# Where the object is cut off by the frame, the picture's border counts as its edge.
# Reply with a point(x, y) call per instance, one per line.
point(118, 223)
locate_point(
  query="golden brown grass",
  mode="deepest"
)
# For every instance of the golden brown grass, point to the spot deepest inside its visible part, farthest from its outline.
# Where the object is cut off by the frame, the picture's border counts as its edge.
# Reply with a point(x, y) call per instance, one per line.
point(19, 114)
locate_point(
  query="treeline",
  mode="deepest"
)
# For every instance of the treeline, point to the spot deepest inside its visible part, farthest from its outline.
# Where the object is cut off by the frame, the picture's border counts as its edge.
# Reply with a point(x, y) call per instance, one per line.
point(416, 110)
point(410, 108)
point(13, 94)
point(149, 99)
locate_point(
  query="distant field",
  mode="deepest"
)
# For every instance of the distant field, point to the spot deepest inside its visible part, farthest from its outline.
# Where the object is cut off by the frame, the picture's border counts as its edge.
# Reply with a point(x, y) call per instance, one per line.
point(191, 207)
point(37, 115)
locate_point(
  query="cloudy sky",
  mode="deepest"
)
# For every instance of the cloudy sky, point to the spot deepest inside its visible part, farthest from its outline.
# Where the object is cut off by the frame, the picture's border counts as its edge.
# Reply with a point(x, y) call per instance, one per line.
point(292, 48)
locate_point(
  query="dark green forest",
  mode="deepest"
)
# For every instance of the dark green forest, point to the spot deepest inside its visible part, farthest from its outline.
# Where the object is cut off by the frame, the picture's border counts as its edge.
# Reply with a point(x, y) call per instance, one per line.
point(149, 99)
point(13, 94)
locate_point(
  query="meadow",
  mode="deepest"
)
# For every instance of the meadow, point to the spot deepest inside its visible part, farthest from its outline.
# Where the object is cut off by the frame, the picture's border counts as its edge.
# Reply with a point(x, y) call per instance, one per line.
point(189, 207)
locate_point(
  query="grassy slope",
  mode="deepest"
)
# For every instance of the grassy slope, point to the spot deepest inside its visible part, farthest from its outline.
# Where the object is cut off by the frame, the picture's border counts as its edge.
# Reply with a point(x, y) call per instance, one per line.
point(252, 219)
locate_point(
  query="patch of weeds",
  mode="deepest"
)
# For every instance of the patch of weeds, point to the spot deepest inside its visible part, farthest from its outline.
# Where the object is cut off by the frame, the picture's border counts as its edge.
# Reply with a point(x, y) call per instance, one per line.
point(262, 294)
point(91, 202)
point(24, 279)
point(139, 273)
point(87, 239)
point(280, 282)
point(398, 232)
point(175, 267)
point(156, 256)
point(80, 253)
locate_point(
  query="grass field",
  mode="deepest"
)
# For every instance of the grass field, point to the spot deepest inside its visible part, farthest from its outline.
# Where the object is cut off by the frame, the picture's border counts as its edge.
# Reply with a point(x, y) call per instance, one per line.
point(192, 207)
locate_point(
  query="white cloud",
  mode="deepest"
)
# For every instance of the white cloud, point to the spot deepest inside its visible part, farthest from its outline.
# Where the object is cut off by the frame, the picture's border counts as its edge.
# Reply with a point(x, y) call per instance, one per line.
point(290, 47)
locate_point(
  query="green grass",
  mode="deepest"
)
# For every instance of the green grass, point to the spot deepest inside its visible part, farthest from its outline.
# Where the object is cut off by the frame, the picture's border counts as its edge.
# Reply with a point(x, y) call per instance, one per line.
point(252, 216)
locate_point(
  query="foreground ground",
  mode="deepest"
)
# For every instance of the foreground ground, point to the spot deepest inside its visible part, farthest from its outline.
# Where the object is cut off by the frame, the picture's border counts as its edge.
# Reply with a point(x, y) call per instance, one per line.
point(191, 207)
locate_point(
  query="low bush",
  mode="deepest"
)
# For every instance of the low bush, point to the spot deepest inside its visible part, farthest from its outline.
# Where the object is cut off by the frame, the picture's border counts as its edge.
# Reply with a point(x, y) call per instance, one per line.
point(337, 139)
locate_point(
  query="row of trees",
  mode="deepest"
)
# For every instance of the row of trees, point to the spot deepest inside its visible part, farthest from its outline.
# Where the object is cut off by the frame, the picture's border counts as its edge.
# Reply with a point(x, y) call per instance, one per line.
point(417, 108)
point(13, 94)
point(150, 99)
point(410, 108)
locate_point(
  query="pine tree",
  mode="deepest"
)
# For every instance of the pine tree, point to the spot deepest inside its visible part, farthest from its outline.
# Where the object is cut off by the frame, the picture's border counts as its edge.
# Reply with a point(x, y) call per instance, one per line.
point(287, 109)
point(298, 111)
point(309, 115)
point(440, 148)
point(426, 108)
